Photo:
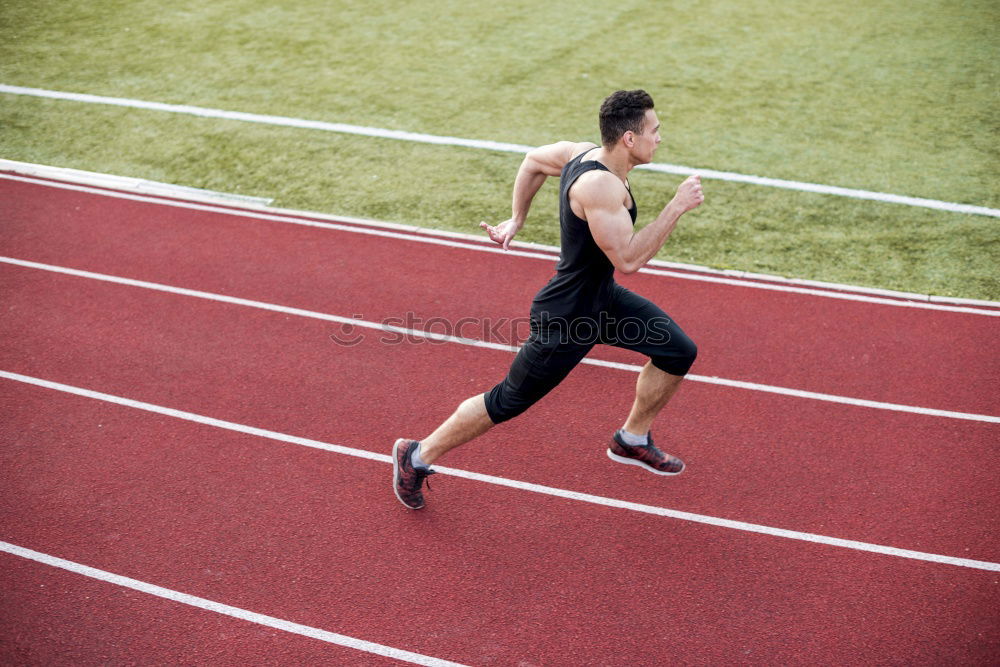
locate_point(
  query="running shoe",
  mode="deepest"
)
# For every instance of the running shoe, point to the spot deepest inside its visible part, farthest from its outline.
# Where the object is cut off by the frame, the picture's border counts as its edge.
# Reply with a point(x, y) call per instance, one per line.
point(645, 456)
point(407, 478)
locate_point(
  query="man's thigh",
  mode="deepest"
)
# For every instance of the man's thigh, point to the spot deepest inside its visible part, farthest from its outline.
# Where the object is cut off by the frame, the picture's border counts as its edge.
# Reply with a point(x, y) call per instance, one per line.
point(635, 323)
point(542, 363)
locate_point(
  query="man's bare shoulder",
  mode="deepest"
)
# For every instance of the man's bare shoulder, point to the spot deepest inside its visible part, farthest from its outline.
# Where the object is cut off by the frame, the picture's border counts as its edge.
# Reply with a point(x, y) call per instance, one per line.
point(597, 186)
point(570, 150)
point(578, 148)
point(596, 191)
point(550, 159)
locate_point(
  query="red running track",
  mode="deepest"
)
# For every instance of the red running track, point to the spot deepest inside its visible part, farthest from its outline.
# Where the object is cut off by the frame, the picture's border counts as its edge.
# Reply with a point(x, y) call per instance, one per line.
point(486, 575)
point(896, 354)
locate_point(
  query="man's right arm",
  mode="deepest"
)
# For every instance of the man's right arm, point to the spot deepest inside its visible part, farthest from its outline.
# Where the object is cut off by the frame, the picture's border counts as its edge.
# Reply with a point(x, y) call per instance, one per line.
point(612, 226)
point(538, 164)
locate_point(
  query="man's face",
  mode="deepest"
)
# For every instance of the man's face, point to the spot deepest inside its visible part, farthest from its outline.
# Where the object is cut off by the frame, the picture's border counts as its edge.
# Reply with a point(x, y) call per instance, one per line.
point(647, 142)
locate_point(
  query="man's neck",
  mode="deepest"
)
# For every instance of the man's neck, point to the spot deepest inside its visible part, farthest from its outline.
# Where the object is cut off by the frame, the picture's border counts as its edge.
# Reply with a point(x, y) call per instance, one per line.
point(618, 161)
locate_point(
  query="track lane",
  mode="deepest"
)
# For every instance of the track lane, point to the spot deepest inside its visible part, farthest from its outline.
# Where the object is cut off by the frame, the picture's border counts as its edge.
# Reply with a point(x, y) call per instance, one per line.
point(762, 606)
point(54, 617)
point(822, 468)
point(900, 355)
point(278, 529)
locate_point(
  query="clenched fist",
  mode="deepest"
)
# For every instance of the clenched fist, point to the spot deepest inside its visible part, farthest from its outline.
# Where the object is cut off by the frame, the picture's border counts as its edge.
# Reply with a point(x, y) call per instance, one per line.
point(689, 194)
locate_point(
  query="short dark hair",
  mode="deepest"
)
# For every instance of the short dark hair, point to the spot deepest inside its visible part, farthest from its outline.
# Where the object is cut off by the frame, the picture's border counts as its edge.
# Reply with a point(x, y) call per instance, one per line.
point(621, 112)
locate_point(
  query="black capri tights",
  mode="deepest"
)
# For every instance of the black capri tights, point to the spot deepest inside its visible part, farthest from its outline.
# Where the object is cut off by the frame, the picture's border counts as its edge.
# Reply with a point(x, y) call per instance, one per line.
point(556, 346)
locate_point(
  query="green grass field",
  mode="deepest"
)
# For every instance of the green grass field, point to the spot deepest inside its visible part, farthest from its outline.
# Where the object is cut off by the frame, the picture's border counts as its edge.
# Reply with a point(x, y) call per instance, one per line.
point(894, 97)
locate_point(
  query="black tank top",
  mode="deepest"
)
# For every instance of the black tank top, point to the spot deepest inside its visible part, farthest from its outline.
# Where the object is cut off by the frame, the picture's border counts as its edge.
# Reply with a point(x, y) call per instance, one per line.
point(584, 275)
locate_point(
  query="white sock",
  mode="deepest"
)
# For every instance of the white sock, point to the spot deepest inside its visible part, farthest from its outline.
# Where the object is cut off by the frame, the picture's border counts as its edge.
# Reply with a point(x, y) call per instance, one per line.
point(416, 460)
point(632, 439)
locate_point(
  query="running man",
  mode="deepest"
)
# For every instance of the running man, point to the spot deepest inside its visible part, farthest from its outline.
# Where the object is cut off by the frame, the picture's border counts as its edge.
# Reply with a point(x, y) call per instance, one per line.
point(582, 305)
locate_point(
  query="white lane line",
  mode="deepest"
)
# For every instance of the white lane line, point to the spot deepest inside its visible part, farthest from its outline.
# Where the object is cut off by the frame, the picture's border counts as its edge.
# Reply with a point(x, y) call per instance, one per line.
point(824, 189)
point(511, 483)
point(430, 335)
point(225, 609)
point(239, 204)
point(136, 185)
point(543, 255)
point(359, 130)
point(817, 292)
point(813, 395)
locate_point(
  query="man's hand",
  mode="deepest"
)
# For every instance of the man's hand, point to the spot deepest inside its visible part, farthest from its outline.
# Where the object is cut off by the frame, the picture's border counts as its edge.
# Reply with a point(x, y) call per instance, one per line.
point(502, 233)
point(689, 194)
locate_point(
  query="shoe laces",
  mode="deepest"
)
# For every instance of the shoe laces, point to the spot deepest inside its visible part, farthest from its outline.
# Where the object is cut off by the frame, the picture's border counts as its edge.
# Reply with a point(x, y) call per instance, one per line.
point(422, 476)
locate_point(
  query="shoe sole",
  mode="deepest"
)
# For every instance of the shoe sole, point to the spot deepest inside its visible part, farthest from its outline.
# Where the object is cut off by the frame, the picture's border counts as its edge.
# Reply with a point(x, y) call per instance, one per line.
point(644, 466)
point(395, 474)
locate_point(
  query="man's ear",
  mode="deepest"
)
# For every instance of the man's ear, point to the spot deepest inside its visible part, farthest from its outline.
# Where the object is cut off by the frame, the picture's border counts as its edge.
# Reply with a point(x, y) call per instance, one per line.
point(629, 138)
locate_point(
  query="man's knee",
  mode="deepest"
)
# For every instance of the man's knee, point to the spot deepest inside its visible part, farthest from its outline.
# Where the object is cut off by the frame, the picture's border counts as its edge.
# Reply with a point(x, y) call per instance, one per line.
point(678, 359)
point(503, 404)
point(690, 353)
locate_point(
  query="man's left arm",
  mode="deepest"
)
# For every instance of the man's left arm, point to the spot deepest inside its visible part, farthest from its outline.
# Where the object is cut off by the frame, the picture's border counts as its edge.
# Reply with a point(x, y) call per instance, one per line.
point(538, 164)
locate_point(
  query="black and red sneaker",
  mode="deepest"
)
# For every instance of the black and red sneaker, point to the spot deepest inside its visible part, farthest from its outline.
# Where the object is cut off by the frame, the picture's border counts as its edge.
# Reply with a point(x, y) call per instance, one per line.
point(645, 456)
point(407, 478)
